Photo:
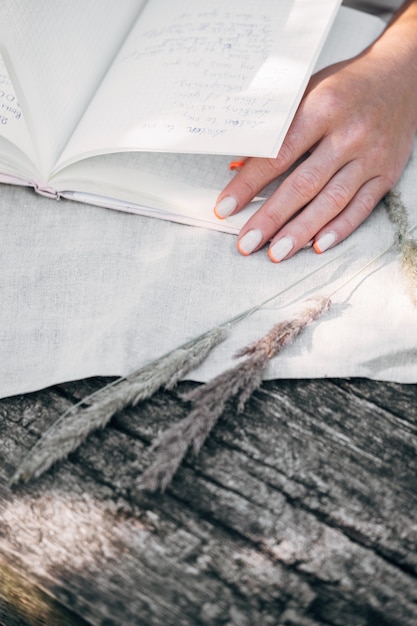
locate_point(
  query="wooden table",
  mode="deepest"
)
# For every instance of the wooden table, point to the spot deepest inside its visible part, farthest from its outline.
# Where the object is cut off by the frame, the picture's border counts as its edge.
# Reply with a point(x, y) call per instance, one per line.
point(302, 511)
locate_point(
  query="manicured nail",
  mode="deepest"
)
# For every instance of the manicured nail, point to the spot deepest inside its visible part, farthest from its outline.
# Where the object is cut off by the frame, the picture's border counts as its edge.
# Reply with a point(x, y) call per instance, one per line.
point(225, 207)
point(324, 242)
point(236, 165)
point(280, 249)
point(250, 241)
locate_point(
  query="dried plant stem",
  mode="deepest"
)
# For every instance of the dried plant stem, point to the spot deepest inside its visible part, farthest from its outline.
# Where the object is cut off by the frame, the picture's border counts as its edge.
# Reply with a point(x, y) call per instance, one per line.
point(209, 400)
point(407, 246)
point(238, 383)
point(71, 429)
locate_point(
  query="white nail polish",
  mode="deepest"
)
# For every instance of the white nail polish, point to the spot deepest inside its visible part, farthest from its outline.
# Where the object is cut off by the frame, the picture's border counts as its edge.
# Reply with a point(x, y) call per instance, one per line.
point(225, 207)
point(250, 241)
point(325, 242)
point(280, 249)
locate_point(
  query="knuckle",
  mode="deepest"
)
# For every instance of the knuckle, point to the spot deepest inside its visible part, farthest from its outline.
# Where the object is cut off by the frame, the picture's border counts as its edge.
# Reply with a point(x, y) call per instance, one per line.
point(274, 218)
point(357, 212)
point(249, 187)
point(290, 150)
point(348, 225)
point(306, 229)
point(367, 202)
point(285, 156)
point(274, 166)
point(357, 134)
point(356, 139)
point(307, 183)
point(336, 195)
point(364, 205)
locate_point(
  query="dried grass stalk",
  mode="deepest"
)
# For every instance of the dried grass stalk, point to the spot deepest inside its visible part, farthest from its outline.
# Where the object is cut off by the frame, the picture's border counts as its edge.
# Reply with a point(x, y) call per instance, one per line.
point(407, 246)
point(73, 427)
point(209, 400)
point(93, 412)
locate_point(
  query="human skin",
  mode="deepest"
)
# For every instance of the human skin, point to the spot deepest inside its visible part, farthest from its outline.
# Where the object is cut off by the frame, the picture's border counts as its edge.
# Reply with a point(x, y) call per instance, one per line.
point(355, 127)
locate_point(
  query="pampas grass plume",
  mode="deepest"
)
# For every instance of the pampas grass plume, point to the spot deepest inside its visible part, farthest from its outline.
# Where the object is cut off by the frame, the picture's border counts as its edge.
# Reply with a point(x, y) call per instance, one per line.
point(209, 400)
point(74, 426)
point(407, 246)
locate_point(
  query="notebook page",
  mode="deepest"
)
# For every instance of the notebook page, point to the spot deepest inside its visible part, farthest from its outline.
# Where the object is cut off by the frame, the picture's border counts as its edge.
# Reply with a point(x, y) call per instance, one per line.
point(57, 53)
point(12, 124)
point(183, 187)
point(218, 77)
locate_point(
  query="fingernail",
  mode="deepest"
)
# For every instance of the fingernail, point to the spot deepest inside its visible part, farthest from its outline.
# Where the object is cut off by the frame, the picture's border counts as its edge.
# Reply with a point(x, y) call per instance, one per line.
point(225, 207)
point(324, 242)
point(280, 249)
point(236, 165)
point(250, 241)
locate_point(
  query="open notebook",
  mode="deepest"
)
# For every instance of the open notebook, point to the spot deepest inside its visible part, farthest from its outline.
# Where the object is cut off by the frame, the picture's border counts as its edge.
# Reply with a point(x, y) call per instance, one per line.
point(138, 106)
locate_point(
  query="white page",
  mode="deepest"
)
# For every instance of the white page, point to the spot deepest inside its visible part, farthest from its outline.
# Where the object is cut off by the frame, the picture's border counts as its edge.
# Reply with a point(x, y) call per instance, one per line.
point(183, 187)
point(57, 53)
point(12, 125)
point(219, 78)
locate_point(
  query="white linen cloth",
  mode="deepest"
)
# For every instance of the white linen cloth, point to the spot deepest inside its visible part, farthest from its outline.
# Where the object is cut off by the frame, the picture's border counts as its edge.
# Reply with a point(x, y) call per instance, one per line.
point(88, 291)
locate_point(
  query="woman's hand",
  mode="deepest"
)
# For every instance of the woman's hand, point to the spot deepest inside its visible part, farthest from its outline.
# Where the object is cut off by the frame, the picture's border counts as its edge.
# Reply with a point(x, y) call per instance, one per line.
point(355, 125)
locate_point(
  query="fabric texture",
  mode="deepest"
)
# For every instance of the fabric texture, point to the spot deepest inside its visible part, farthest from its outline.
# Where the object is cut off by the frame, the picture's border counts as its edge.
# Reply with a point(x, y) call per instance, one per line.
point(89, 291)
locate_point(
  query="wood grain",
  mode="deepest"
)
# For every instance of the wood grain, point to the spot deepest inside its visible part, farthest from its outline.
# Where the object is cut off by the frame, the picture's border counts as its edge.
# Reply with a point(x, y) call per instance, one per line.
point(299, 512)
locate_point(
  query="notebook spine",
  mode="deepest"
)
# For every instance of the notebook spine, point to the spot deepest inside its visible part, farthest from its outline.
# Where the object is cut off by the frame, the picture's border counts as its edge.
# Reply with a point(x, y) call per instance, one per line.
point(47, 191)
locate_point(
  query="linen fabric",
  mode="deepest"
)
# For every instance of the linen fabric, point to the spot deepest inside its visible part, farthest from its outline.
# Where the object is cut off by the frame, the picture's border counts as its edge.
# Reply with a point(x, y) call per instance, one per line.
point(88, 291)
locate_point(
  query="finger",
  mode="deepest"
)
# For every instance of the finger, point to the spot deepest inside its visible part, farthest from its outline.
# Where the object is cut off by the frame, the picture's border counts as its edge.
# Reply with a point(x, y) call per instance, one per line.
point(325, 206)
point(256, 173)
point(237, 164)
point(251, 178)
point(294, 194)
point(356, 212)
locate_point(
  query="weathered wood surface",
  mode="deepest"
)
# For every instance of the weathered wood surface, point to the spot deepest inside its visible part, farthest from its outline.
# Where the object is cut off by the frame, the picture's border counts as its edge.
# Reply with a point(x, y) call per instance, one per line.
point(302, 511)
